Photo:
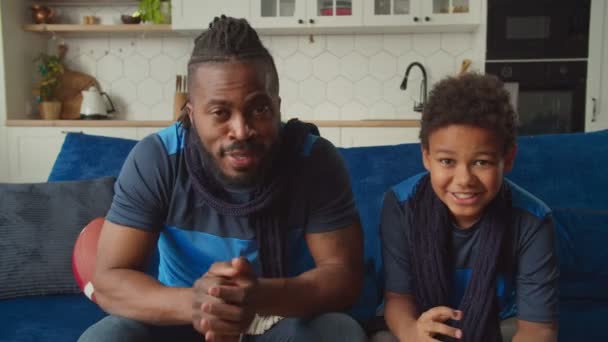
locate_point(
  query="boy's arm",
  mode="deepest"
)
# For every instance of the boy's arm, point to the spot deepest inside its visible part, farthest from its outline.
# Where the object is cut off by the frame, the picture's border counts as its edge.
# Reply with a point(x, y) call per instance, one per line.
point(537, 293)
point(400, 314)
point(404, 322)
point(400, 310)
point(535, 332)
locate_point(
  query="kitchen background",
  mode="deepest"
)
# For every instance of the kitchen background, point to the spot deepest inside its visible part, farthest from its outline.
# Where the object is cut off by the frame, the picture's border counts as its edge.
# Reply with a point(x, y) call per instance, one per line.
point(334, 77)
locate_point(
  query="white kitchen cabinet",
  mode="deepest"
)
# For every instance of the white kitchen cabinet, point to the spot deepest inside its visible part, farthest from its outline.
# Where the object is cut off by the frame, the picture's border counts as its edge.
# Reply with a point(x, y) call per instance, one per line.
point(197, 14)
point(306, 14)
point(33, 150)
point(278, 13)
point(596, 108)
point(423, 14)
point(356, 136)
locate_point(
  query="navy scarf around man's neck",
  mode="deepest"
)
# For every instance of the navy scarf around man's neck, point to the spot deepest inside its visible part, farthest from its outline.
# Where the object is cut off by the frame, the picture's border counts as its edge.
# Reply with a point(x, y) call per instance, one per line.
point(433, 260)
point(268, 205)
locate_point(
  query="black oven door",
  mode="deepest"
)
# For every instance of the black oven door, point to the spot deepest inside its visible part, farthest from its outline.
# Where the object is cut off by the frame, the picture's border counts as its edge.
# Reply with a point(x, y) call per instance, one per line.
point(525, 29)
point(549, 97)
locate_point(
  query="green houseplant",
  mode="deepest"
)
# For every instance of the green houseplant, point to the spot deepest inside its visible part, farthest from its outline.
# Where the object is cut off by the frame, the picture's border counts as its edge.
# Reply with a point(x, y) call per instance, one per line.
point(154, 11)
point(50, 68)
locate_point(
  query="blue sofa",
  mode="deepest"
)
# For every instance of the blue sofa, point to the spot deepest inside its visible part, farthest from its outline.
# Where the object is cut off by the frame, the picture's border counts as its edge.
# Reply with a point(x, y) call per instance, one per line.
point(569, 172)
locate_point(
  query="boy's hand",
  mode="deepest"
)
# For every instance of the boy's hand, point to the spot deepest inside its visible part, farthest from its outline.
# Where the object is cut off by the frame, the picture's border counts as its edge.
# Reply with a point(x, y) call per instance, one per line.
point(431, 323)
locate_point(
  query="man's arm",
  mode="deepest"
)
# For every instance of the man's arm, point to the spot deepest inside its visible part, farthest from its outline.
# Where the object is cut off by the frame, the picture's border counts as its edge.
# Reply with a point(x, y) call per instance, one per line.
point(535, 332)
point(334, 284)
point(121, 286)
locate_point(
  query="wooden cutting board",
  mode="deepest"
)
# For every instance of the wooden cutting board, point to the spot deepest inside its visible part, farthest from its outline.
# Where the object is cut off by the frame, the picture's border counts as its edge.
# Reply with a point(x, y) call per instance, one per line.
point(69, 92)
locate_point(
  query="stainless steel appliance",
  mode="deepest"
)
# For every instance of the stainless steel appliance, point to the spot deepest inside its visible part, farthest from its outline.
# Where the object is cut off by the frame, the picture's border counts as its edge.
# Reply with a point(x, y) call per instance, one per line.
point(539, 48)
point(549, 97)
point(522, 29)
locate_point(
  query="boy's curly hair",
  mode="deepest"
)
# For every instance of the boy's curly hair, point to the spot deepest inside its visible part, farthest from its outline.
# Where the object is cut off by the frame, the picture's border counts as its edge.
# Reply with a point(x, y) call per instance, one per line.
point(470, 99)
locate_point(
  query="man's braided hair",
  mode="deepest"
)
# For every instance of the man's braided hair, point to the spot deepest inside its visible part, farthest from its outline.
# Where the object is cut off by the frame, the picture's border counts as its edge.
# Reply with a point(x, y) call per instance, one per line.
point(234, 40)
point(230, 40)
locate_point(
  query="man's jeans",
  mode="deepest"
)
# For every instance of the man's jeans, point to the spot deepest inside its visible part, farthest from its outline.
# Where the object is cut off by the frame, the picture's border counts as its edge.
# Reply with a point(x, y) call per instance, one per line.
point(334, 327)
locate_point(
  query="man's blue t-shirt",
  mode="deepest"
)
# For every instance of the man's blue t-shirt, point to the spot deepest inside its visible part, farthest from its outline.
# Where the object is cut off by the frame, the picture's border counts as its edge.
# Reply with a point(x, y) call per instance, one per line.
point(153, 193)
point(530, 293)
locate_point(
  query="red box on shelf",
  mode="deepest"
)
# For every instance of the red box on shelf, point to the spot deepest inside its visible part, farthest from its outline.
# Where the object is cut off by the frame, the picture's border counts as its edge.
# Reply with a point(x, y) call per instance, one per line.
point(339, 11)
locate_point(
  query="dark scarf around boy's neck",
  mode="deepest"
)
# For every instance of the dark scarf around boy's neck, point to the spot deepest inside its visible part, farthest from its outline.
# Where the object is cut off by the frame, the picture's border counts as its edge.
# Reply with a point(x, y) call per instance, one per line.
point(268, 204)
point(433, 263)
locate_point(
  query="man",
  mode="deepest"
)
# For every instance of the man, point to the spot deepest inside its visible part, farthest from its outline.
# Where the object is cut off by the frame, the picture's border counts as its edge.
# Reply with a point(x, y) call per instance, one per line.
point(237, 203)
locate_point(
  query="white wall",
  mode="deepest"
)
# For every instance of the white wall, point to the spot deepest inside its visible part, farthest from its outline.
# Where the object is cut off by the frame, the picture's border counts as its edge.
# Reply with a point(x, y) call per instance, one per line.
point(597, 78)
point(17, 52)
point(335, 77)
point(3, 133)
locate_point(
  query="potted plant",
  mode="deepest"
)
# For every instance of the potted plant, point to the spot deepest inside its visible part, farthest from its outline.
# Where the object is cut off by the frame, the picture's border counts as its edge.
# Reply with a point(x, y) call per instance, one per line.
point(154, 11)
point(50, 68)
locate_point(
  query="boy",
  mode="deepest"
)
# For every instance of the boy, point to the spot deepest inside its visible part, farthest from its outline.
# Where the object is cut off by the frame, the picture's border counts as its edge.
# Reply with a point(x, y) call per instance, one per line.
point(463, 247)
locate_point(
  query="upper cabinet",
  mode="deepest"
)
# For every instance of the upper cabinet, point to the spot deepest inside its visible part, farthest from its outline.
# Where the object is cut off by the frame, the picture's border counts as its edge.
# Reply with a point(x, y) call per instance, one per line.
point(197, 14)
point(306, 14)
point(333, 16)
point(278, 13)
point(335, 13)
point(451, 12)
point(423, 14)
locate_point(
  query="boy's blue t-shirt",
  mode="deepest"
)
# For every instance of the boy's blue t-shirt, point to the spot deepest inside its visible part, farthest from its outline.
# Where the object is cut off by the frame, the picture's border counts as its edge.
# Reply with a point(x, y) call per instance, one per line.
point(530, 293)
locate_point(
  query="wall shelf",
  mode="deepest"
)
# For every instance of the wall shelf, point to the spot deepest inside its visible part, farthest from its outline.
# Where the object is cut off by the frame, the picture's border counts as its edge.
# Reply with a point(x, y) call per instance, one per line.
point(161, 123)
point(76, 28)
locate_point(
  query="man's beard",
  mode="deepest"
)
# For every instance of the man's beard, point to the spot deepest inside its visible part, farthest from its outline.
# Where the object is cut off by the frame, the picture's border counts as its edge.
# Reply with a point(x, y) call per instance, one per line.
point(246, 180)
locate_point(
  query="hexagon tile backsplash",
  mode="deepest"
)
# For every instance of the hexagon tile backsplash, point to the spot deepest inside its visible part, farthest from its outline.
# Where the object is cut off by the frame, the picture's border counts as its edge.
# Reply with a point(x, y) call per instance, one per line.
point(335, 77)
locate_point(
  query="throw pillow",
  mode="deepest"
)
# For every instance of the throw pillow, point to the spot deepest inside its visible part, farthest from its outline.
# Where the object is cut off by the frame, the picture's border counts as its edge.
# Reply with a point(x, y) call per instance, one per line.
point(85, 156)
point(39, 224)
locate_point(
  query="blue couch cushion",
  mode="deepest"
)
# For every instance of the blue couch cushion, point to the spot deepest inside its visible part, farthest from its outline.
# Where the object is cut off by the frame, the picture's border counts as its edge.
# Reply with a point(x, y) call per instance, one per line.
point(564, 170)
point(39, 224)
point(84, 156)
point(582, 235)
point(583, 320)
point(47, 318)
point(373, 170)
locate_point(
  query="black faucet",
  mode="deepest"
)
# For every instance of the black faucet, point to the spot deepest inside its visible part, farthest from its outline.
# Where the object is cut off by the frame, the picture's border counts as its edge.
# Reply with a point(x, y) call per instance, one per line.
point(418, 107)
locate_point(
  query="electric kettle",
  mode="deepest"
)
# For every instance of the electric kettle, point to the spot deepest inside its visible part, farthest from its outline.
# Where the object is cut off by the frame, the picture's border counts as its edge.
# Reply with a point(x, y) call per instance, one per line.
point(93, 106)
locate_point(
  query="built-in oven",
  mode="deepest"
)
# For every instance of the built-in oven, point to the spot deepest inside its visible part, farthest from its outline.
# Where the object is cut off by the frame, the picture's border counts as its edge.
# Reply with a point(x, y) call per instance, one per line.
point(549, 97)
point(549, 29)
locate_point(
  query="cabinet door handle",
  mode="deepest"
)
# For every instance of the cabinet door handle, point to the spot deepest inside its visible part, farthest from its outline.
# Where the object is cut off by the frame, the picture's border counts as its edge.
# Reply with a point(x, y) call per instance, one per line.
point(300, 21)
point(312, 21)
point(416, 19)
point(594, 109)
point(427, 19)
